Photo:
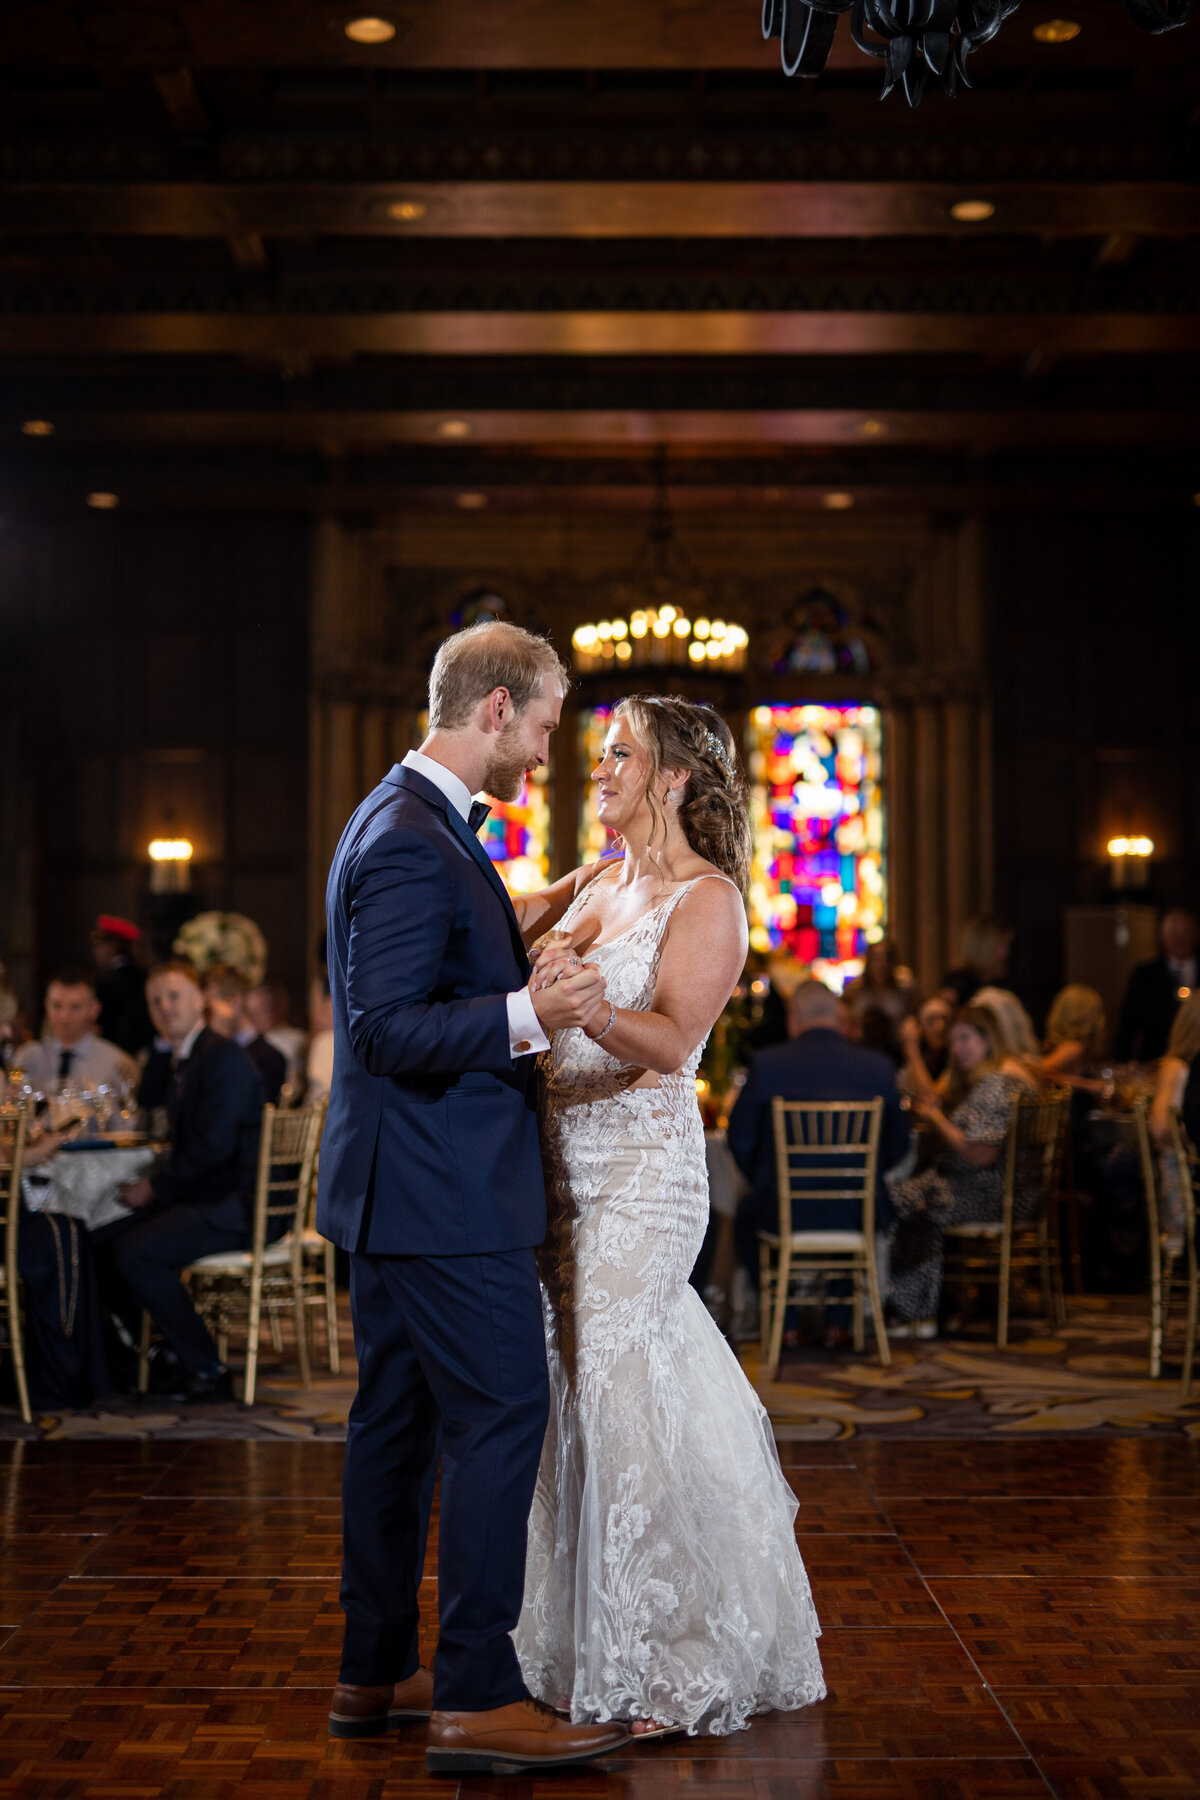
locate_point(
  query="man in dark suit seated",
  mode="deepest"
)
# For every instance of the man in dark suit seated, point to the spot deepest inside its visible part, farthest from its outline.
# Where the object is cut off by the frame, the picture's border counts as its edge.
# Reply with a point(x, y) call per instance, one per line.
point(225, 1010)
point(199, 1198)
point(1156, 989)
point(818, 1063)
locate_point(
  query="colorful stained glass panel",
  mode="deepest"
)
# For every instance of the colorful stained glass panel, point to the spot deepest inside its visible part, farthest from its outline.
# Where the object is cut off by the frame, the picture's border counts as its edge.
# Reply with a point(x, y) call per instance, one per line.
point(818, 888)
point(516, 836)
point(594, 840)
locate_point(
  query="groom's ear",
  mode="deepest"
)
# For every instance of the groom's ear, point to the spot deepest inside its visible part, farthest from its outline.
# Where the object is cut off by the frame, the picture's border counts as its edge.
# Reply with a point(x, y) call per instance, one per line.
point(501, 708)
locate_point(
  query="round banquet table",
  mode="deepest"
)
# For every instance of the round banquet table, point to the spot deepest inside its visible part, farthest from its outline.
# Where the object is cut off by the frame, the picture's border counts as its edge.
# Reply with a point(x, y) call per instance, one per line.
point(83, 1183)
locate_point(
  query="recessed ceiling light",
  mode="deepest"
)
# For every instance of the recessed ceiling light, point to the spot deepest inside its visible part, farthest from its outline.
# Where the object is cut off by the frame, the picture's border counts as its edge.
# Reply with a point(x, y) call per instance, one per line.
point(369, 30)
point(405, 211)
point(103, 502)
point(38, 428)
point(873, 428)
point(972, 212)
point(772, 494)
point(837, 502)
point(1056, 31)
point(454, 428)
point(471, 502)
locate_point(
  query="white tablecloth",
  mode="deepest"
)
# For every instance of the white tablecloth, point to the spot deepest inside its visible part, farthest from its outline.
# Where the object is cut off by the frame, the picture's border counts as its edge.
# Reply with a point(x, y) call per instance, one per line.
point(84, 1183)
point(726, 1183)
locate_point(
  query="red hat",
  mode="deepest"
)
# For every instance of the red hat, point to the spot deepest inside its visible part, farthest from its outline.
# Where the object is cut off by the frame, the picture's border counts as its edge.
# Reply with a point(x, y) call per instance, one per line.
point(108, 925)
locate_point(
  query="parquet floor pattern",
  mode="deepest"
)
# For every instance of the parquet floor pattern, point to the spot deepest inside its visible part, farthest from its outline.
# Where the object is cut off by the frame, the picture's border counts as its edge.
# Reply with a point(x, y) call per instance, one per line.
point(1001, 1620)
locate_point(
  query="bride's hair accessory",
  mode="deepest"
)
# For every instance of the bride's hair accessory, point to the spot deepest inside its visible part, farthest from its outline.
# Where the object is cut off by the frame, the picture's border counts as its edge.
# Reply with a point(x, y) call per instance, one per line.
point(595, 1037)
point(717, 750)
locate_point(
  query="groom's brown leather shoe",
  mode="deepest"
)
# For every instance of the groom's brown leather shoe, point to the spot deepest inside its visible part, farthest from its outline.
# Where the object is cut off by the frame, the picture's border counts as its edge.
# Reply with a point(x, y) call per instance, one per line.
point(525, 1735)
point(367, 1711)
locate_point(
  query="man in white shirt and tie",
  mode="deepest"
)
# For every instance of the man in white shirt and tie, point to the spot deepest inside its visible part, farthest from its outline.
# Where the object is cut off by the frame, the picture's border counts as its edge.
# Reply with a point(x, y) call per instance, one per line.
point(69, 1053)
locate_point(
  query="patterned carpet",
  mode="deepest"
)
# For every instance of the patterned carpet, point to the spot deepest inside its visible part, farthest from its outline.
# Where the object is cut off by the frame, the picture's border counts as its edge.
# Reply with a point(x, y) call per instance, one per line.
point(1091, 1378)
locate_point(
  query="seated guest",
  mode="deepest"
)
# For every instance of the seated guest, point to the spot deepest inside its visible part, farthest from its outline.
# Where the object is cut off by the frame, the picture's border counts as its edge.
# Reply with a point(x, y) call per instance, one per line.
point(120, 984)
point(880, 999)
point(1174, 1071)
point(13, 1028)
point(224, 1009)
point(319, 1072)
point(70, 1053)
point(965, 1182)
point(1074, 1045)
point(200, 1197)
point(1022, 1054)
point(265, 1009)
point(817, 1064)
point(925, 1044)
point(1156, 989)
point(985, 952)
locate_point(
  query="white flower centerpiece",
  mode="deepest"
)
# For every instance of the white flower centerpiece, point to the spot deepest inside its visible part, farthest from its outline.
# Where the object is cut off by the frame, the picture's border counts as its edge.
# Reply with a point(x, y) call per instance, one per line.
point(224, 937)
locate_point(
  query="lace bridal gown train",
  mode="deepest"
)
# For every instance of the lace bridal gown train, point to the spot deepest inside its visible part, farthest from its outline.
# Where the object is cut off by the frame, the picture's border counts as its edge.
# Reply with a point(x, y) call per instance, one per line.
point(663, 1579)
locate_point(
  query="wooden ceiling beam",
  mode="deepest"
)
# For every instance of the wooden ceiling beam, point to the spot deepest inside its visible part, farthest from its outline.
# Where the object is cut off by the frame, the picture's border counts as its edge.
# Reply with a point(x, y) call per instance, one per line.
point(623, 430)
point(599, 334)
point(601, 209)
point(479, 34)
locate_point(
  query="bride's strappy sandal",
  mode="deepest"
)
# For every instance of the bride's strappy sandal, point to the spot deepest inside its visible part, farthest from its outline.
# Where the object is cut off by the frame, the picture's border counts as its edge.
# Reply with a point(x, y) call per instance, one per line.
point(658, 1730)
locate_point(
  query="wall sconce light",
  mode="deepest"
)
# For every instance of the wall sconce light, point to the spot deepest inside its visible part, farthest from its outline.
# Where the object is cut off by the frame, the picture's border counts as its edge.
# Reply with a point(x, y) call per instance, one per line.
point(1130, 861)
point(170, 865)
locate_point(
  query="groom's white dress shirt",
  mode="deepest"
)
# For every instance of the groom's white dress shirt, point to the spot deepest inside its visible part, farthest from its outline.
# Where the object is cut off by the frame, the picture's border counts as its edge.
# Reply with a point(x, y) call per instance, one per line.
point(525, 1034)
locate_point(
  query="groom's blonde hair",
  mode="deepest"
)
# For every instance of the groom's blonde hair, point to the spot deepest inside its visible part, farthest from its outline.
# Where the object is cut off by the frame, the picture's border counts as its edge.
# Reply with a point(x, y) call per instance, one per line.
point(474, 663)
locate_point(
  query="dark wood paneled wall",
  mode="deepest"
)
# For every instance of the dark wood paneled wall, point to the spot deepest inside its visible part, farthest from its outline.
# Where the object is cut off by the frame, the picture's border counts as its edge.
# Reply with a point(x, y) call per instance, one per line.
point(1095, 657)
point(157, 668)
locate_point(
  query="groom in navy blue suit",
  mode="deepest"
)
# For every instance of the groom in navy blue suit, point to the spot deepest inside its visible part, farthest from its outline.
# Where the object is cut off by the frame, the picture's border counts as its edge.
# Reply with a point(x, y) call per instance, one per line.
point(431, 1178)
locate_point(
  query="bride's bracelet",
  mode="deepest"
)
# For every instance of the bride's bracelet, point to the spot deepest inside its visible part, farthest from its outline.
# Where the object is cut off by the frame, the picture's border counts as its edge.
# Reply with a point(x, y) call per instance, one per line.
point(595, 1038)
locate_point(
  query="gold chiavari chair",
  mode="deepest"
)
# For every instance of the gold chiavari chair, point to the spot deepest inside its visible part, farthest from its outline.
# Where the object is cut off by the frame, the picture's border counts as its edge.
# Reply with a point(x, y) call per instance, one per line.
point(13, 1125)
point(1172, 1254)
point(827, 1150)
point(232, 1285)
point(1163, 1254)
point(320, 1274)
point(1184, 1151)
point(996, 1250)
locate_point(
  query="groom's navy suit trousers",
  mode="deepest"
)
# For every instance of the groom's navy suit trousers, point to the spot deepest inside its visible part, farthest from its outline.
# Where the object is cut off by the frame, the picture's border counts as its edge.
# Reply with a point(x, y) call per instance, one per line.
point(431, 1178)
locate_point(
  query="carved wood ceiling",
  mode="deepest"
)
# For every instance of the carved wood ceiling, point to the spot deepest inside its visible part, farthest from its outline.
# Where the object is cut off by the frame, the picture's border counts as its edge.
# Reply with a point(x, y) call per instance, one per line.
point(243, 256)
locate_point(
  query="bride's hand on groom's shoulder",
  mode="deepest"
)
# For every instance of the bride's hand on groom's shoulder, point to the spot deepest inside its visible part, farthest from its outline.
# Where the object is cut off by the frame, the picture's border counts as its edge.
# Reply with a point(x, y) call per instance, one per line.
point(568, 997)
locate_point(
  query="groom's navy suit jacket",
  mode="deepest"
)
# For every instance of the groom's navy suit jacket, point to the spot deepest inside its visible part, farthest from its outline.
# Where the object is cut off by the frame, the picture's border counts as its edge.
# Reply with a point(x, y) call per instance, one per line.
point(430, 1145)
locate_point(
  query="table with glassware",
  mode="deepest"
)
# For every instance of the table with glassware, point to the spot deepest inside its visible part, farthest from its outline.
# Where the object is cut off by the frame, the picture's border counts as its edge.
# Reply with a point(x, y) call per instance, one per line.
point(85, 1177)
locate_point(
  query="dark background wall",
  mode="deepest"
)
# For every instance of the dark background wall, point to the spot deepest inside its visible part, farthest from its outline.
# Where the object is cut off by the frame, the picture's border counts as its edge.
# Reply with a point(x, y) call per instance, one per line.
point(155, 679)
point(1095, 646)
point(157, 667)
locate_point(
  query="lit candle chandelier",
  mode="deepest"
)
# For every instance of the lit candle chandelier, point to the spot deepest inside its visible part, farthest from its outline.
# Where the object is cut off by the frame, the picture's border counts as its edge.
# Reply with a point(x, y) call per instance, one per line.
point(660, 614)
point(921, 42)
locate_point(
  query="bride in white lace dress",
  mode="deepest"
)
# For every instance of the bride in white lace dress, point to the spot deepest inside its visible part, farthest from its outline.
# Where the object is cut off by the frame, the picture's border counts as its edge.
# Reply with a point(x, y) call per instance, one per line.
point(663, 1582)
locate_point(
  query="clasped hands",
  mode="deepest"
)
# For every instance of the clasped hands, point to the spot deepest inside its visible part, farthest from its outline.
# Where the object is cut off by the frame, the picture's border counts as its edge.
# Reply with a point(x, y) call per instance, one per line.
point(566, 991)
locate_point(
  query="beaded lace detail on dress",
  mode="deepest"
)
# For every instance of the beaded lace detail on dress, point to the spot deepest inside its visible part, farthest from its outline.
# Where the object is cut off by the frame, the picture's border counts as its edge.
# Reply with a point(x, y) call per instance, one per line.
point(663, 1579)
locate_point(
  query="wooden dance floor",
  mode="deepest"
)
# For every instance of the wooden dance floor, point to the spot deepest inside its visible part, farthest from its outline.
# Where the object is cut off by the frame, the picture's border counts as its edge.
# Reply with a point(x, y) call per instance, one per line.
point(1001, 1620)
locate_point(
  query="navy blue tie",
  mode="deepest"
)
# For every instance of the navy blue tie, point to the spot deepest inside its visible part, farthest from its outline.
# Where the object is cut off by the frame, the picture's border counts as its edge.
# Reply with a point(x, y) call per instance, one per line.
point(478, 813)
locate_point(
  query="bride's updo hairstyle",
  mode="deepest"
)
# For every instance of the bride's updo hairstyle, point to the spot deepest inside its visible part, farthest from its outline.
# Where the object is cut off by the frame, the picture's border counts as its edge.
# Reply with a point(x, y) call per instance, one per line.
point(714, 812)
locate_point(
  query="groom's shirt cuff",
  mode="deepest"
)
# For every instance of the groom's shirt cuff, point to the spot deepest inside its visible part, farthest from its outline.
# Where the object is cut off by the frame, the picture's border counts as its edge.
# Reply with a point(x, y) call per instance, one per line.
point(525, 1034)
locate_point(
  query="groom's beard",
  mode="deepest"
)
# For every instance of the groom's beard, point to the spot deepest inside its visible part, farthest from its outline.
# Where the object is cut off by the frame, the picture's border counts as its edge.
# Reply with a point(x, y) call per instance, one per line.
point(504, 776)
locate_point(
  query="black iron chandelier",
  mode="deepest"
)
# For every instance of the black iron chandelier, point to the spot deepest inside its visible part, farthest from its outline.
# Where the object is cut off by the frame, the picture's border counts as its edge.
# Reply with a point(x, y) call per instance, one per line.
point(921, 43)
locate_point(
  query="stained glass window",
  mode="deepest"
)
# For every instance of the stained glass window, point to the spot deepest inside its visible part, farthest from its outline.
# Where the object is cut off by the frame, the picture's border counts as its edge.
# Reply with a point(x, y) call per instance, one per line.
point(593, 726)
point(516, 835)
point(818, 886)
